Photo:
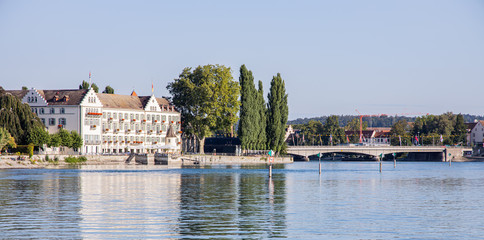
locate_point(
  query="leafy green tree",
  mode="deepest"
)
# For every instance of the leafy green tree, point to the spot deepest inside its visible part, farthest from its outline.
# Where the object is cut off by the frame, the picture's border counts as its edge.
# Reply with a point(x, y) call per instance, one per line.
point(54, 140)
point(312, 131)
point(208, 100)
point(4, 137)
point(65, 137)
point(400, 133)
point(249, 114)
point(24, 88)
point(84, 85)
point(95, 87)
point(17, 117)
point(262, 113)
point(38, 136)
point(76, 140)
point(109, 90)
point(459, 132)
point(332, 129)
point(277, 112)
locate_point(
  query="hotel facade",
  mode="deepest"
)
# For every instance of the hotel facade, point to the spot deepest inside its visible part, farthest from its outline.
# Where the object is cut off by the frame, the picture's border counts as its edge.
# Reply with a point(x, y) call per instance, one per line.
point(108, 123)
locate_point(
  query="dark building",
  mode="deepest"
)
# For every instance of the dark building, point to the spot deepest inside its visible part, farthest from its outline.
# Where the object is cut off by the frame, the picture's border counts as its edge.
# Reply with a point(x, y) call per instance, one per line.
point(223, 145)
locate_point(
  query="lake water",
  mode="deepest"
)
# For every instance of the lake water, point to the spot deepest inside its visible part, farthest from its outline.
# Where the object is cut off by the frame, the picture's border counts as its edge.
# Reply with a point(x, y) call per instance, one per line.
point(350, 200)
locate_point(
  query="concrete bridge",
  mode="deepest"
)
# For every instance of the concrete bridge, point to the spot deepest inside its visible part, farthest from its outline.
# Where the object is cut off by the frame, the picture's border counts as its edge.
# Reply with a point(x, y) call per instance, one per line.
point(375, 151)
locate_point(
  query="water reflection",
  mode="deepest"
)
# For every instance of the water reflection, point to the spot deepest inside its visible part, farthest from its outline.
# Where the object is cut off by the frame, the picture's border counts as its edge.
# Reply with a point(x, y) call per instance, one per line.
point(39, 203)
point(232, 205)
point(347, 201)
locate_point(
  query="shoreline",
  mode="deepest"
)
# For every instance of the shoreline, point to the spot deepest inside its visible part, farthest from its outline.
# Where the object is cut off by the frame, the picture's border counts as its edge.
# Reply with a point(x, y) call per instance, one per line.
point(39, 162)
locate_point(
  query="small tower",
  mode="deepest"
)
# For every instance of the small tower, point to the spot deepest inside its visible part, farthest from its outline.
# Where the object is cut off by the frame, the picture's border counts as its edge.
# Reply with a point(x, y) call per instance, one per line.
point(171, 139)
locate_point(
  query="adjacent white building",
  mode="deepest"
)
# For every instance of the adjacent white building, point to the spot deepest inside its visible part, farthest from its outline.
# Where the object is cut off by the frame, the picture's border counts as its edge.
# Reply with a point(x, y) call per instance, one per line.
point(475, 132)
point(108, 123)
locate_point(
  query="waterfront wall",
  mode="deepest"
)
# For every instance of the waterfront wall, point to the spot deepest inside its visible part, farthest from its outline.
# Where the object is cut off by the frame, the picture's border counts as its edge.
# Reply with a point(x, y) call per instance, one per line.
point(149, 159)
point(213, 159)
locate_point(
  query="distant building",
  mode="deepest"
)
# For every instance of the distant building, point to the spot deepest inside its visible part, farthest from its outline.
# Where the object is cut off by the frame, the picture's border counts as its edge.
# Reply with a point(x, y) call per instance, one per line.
point(108, 123)
point(475, 132)
point(372, 137)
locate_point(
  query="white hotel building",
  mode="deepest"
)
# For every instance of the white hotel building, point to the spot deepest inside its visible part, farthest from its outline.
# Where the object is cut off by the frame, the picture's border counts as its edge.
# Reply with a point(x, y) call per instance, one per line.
point(108, 123)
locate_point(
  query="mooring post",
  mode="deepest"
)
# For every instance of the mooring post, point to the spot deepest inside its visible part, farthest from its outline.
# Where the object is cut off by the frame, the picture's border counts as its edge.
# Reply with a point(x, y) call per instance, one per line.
point(319, 155)
point(394, 161)
point(270, 170)
point(380, 158)
point(450, 159)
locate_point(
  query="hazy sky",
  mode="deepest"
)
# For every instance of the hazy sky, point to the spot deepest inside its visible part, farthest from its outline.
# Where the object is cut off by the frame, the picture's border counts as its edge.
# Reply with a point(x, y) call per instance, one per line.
point(335, 56)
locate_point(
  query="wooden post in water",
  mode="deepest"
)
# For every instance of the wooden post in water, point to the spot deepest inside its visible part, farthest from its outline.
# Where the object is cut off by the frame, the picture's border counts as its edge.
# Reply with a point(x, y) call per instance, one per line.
point(450, 159)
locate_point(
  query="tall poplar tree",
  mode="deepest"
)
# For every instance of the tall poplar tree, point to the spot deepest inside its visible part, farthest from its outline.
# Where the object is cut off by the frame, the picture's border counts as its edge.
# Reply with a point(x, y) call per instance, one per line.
point(249, 119)
point(262, 114)
point(277, 112)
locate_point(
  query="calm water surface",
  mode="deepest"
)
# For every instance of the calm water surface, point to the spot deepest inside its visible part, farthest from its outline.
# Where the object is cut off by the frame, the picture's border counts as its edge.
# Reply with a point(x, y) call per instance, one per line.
point(350, 200)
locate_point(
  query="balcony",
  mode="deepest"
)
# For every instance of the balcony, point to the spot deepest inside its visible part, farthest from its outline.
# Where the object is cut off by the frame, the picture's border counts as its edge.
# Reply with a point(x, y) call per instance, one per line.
point(160, 132)
point(94, 114)
point(106, 130)
point(92, 142)
point(60, 126)
point(134, 120)
point(121, 120)
point(93, 126)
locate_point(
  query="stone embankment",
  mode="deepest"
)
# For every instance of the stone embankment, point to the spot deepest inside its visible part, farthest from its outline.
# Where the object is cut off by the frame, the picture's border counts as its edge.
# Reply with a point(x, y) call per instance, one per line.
point(52, 161)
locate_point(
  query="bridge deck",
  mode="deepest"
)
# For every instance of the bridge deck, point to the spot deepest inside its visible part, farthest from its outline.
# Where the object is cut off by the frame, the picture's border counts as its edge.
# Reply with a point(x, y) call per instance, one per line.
point(368, 150)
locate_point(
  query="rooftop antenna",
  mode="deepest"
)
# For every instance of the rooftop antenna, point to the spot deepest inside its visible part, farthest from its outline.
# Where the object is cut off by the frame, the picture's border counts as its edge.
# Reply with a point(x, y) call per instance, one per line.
point(152, 88)
point(90, 83)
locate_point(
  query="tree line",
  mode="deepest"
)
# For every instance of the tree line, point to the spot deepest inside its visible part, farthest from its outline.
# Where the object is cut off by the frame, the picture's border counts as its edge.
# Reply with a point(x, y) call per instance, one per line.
point(381, 121)
point(208, 100)
point(444, 129)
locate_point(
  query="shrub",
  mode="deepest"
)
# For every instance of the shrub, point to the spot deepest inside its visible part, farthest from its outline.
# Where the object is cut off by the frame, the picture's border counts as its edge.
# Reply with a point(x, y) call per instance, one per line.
point(75, 160)
point(30, 150)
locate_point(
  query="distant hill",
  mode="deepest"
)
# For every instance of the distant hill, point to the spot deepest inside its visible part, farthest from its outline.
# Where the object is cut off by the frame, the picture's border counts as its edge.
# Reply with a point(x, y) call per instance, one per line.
point(383, 121)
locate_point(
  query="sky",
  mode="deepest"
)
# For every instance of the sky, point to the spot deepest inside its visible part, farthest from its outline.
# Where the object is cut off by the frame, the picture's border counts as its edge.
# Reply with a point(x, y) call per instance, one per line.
point(380, 57)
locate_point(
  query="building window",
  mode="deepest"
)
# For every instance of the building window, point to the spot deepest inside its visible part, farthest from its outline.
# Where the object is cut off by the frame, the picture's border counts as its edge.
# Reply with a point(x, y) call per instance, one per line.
point(43, 121)
point(62, 121)
point(62, 110)
point(41, 110)
point(52, 110)
point(51, 121)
